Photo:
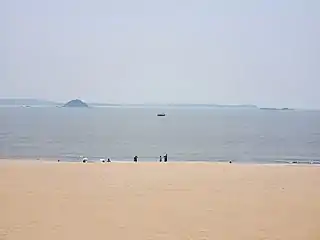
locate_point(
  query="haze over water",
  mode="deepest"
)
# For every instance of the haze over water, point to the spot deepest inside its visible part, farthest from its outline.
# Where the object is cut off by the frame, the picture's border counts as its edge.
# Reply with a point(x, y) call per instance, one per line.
point(186, 134)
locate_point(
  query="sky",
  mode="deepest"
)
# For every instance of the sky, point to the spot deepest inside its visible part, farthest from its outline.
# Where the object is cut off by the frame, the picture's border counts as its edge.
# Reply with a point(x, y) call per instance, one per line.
point(263, 52)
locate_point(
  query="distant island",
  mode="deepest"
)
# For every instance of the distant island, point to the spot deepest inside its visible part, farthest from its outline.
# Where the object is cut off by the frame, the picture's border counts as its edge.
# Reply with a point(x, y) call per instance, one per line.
point(76, 103)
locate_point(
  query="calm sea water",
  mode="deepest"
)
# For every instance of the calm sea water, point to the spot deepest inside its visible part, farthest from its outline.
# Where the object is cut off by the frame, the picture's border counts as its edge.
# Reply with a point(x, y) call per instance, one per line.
point(186, 134)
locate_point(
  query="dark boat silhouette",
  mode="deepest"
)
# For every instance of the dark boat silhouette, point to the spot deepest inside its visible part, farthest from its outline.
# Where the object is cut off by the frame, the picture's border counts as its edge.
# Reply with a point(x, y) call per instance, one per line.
point(161, 114)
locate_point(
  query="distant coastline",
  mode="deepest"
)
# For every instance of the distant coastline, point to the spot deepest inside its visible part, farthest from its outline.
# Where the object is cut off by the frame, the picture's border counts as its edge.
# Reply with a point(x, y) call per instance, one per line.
point(277, 109)
point(38, 102)
point(26, 102)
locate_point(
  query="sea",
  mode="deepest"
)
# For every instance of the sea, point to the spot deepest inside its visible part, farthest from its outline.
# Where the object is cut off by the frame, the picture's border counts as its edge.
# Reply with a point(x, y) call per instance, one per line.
point(185, 134)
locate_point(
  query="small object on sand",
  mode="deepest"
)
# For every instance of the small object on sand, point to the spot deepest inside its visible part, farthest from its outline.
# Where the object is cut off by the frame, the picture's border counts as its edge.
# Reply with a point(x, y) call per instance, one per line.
point(108, 160)
point(84, 160)
point(58, 160)
point(230, 161)
point(102, 160)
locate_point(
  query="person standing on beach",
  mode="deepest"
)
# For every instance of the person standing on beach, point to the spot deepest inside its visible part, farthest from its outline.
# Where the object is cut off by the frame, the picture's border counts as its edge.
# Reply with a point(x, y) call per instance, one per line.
point(160, 158)
point(165, 158)
point(135, 159)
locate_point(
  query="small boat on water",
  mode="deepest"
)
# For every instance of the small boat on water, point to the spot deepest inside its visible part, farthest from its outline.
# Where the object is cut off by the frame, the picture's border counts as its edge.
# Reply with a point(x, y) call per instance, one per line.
point(161, 114)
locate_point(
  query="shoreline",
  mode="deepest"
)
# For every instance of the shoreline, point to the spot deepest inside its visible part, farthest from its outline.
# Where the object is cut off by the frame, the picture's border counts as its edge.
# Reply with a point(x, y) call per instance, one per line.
point(49, 160)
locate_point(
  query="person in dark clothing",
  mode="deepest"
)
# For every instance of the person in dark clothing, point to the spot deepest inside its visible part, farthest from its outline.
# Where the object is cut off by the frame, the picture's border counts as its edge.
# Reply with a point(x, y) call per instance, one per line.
point(160, 158)
point(108, 160)
point(135, 159)
point(165, 157)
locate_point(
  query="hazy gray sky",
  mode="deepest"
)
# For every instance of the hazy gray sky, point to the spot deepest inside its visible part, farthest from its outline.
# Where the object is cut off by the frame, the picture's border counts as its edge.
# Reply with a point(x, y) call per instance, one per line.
point(167, 51)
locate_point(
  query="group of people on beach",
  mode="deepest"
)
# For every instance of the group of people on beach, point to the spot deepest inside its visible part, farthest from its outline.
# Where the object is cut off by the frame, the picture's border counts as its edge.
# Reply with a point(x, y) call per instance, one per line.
point(103, 160)
point(135, 159)
point(165, 158)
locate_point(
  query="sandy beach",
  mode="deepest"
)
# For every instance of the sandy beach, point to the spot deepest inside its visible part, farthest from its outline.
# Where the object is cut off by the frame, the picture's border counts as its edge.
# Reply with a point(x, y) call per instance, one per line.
point(44, 200)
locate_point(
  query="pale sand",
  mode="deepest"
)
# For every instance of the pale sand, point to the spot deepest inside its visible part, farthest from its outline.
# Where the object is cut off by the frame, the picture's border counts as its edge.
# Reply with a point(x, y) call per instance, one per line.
point(158, 201)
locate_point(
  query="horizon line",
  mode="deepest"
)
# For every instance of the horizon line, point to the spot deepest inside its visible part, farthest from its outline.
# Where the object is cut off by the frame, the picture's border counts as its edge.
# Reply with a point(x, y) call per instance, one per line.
point(50, 102)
